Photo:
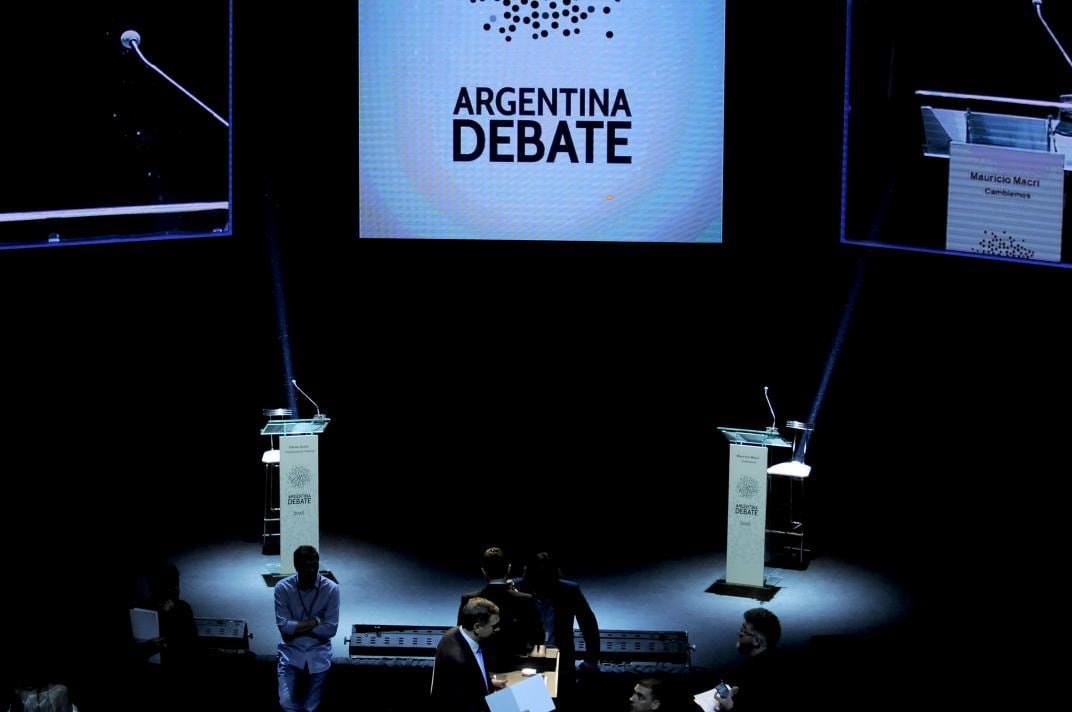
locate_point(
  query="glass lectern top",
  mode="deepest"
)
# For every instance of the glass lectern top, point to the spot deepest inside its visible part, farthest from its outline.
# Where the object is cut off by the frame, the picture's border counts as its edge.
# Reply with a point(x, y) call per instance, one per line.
point(744, 436)
point(942, 126)
point(311, 426)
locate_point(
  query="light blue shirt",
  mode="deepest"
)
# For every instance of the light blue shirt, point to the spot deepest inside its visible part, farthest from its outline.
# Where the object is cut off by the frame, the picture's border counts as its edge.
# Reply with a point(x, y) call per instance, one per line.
point(294, 605)
point(477, 652)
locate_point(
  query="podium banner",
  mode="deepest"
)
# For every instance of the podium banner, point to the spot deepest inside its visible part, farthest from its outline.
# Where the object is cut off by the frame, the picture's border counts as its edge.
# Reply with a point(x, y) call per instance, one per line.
point(299, 503)
point(1006, 202)
point(747, 515)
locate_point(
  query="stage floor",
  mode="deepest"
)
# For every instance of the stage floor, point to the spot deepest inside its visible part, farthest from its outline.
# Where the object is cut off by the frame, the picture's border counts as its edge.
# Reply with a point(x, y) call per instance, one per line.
point(381, 586)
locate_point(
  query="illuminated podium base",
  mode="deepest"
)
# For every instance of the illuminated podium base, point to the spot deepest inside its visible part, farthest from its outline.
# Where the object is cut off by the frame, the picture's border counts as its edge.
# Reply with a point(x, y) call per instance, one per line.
point(759, 593)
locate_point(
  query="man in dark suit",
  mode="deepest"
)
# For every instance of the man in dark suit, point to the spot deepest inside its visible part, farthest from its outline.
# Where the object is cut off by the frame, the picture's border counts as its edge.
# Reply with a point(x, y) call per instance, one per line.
point(519, 619)
point(559, 602)
point(461, 678)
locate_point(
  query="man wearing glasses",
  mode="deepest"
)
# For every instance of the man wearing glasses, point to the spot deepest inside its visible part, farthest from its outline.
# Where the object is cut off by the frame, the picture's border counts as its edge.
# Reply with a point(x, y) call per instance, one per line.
point(763, 681)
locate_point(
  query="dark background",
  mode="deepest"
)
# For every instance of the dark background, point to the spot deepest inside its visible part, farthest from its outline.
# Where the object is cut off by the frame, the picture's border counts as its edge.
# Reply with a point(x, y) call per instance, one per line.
point(528, 383)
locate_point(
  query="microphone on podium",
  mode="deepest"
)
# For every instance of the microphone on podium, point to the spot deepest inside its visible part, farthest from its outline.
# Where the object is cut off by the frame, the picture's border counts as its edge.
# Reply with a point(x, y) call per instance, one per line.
point(1064, 124)
point(773, 427)
point(318, 416)
point(1038, 9)
point(131, 39)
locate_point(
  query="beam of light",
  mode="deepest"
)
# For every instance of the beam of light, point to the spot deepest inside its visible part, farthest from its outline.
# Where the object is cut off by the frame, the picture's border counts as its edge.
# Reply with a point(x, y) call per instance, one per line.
point(839, 338)
point(846, 111)
point(281, 309)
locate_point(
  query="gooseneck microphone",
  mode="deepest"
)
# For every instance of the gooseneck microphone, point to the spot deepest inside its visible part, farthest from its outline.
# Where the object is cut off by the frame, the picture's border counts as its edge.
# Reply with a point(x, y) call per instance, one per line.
point(131, 39)
point(317, 416)
point(1038, 9)
point(773, 427)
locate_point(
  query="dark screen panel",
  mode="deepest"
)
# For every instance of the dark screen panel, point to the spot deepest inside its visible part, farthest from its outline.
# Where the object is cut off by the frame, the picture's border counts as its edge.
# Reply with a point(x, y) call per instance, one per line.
point(98, 146)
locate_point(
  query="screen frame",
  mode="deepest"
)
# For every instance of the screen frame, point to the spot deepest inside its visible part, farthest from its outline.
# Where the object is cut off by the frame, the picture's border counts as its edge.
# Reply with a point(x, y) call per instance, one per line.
point(854, 238)
point(726, 213)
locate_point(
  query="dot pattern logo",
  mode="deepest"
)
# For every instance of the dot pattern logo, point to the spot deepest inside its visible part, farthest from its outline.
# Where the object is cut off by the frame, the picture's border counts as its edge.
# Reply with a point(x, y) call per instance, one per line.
point(299, 476)
point(747, 486)
point(543, 19)
point(1003, 245)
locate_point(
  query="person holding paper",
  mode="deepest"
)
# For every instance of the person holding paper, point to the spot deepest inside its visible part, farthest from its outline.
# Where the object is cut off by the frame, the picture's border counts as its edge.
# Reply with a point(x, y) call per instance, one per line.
point(307, 614)
point(461, 678)
point(165, 643)
point(177, 642)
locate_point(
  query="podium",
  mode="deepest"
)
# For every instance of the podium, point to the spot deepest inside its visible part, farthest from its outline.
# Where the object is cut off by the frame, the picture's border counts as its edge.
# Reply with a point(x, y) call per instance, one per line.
point(292, 475)
point(1006, 172)
point(746, 515)
point(531, 687)
point(544, 661)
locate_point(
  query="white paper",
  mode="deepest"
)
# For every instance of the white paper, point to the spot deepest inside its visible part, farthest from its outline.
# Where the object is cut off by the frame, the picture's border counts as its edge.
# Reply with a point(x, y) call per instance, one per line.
point(145, 625)
point(706, 700)
point(529, 695)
